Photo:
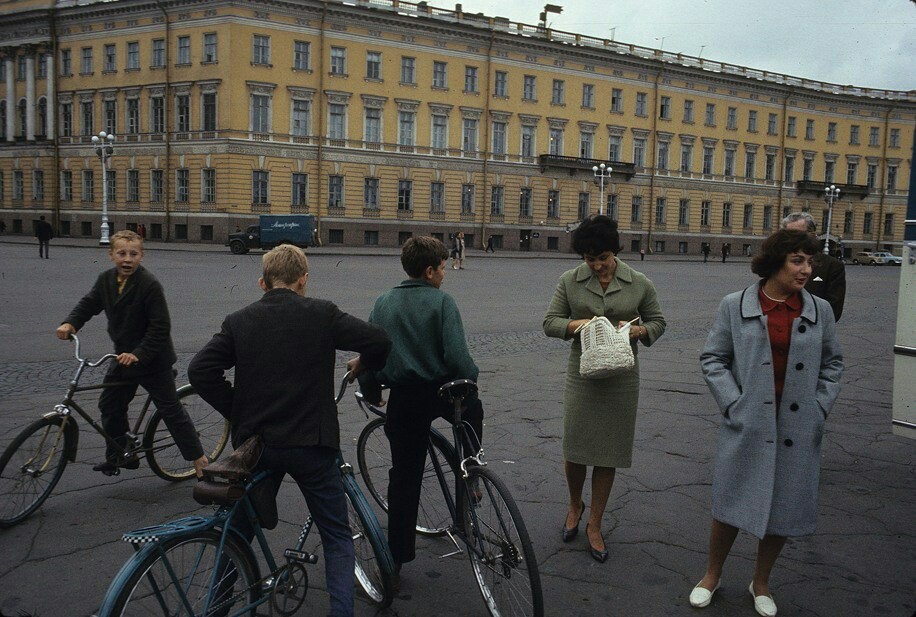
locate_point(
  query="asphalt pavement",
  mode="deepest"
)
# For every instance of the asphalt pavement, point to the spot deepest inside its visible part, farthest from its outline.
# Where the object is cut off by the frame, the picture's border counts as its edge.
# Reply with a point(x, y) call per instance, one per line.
point(861, 561)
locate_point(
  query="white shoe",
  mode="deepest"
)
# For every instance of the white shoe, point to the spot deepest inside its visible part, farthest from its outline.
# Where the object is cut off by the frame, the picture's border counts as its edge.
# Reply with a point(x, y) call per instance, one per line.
point(700, 597)
point(764, 605)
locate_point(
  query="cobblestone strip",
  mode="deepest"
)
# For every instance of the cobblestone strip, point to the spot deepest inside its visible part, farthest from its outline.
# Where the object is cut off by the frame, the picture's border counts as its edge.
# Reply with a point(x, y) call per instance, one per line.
point(42, 378)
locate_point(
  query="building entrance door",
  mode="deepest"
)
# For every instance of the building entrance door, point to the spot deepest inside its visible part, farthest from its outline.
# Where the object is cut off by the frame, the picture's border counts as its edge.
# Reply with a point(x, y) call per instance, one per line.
point(524, 240)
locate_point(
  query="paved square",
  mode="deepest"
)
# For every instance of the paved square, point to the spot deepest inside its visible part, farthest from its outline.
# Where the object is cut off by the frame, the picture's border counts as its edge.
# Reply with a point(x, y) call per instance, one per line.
point(860, 562)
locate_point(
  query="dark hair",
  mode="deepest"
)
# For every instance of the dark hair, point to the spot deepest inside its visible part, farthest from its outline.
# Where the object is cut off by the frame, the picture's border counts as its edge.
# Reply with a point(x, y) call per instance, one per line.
point(421, 252)
point(774, 250)
point(596, 235)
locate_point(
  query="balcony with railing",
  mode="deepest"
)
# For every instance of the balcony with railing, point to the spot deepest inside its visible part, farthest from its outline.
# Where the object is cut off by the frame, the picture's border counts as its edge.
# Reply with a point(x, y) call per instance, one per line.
point(812, 187)
point(574, 164)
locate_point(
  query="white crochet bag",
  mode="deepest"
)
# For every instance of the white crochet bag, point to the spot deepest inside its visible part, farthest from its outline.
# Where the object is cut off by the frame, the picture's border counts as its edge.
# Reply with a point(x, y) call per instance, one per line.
point(605, 349)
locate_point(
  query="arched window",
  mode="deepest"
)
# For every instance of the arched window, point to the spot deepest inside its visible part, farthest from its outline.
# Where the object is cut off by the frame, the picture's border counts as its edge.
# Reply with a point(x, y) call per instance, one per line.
point(42, 118)
point(22, 108)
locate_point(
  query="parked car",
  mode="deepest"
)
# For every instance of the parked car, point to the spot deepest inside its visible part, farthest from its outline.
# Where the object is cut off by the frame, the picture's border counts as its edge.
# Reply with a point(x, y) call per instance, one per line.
point(877, 258)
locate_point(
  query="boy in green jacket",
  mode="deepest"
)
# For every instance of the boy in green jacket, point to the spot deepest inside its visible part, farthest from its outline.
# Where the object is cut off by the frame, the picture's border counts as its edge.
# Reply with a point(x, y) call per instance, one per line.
point(428, 350)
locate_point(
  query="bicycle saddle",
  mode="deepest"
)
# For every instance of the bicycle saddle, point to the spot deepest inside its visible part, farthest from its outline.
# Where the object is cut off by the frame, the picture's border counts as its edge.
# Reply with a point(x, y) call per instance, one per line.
point(458, 390)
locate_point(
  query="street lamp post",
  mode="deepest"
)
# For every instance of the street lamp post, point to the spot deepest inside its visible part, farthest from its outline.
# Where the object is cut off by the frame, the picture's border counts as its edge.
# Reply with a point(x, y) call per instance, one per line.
point(831, 194)
point(602, 172)
point(104, 148)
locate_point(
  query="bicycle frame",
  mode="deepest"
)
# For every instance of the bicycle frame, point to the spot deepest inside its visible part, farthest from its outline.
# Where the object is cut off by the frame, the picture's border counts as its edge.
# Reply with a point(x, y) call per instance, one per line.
point(65, 408)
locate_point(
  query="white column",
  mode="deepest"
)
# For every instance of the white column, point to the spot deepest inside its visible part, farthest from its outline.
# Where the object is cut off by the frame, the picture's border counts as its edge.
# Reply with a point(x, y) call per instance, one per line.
point(30, 96)
point(10, 100)
point(50, 120)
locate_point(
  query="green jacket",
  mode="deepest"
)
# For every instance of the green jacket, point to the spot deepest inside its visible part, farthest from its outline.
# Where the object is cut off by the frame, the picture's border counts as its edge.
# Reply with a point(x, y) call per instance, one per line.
point(427, 337)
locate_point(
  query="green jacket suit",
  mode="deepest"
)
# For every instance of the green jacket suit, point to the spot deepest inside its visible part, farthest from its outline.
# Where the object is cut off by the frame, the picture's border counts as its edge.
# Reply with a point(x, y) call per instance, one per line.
point(599, 417)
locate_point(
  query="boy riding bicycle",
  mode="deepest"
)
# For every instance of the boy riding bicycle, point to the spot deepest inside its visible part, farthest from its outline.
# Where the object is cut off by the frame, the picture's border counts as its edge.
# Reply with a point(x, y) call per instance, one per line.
point(428, 350)
point(140, 328)
point(283, 348)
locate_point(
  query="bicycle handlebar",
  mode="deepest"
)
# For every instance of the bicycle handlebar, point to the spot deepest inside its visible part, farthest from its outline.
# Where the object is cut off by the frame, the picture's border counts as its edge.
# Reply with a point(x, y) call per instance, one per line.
point(76, 353)
point(343, 387)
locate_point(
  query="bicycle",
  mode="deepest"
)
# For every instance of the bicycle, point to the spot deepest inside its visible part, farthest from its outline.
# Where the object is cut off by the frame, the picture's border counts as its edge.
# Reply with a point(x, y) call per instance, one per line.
point(34, 462)
point(481, 514)
point(199, 565)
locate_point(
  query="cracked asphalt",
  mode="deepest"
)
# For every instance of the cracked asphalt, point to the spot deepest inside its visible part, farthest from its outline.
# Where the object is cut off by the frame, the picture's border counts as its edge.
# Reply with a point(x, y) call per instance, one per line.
point(861, 561)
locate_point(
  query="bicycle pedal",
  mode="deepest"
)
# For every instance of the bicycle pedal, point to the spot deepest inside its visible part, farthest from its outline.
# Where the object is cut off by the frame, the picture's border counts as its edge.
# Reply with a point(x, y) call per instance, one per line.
point(300, 556)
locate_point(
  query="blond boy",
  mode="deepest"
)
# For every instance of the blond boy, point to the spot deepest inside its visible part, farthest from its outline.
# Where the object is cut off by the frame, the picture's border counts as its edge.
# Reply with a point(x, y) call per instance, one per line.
point(140, 328)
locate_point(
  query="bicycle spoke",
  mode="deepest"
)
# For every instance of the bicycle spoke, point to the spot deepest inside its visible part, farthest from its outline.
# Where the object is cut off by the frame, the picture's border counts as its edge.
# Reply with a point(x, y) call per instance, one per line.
point(500, 550)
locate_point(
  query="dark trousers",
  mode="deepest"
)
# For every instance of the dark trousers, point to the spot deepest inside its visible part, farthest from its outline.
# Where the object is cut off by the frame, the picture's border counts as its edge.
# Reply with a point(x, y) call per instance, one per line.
point(314, 468)
point(411, 411)
point(113, 404)
point(43, 247)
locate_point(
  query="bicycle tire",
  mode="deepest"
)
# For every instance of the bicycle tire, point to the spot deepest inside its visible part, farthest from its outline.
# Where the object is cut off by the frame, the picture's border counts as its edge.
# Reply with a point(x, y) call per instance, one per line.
point(162, 452)
point(499, 548)
point(373, 456)
point(23, 487)
point(144, 585)
point(374, 567)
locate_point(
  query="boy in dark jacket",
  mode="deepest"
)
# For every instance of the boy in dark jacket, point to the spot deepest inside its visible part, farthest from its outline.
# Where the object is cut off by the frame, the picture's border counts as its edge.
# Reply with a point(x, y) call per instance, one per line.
point(140, 328)
point(283, 348)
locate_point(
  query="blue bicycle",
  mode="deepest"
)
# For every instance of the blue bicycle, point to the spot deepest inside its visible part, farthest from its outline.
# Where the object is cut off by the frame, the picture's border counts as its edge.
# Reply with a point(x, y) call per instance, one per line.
point(200, 566)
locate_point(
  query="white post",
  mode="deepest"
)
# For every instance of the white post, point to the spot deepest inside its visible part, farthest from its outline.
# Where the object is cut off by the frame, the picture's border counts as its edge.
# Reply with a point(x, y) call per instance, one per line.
point(602, 172)
point(51, 110)
point(11, 110)
point(30, 95)
point(832, 193)
point(104, 147)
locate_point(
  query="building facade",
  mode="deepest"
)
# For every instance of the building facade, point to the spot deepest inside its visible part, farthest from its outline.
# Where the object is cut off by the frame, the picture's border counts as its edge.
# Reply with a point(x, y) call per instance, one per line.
point(387, 119)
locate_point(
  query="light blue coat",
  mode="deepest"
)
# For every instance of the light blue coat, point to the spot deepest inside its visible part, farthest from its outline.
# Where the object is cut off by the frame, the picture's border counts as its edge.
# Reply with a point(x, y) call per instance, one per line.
point(767, 468)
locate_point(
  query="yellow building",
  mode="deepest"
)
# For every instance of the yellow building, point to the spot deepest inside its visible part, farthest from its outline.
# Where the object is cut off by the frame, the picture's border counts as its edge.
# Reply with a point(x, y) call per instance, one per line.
point(390, 118)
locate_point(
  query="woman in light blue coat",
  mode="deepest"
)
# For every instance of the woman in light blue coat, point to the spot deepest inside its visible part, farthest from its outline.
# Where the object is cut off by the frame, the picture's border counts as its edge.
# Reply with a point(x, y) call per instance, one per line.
point(773, 365)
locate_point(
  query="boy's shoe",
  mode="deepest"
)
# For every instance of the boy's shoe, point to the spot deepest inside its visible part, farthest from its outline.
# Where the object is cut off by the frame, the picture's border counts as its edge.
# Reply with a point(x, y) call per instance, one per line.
point(110, 468)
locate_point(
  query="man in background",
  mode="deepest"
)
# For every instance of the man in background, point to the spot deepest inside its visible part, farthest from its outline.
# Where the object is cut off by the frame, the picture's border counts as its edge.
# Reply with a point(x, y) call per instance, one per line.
point(828, 274)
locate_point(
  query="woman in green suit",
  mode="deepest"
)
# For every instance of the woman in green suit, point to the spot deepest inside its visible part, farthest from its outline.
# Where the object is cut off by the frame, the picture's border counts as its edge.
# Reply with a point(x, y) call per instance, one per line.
point(599, 416)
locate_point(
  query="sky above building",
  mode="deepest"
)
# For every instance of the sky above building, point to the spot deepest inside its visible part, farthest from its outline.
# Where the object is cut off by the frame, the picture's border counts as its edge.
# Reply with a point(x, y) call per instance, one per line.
point(866, 43)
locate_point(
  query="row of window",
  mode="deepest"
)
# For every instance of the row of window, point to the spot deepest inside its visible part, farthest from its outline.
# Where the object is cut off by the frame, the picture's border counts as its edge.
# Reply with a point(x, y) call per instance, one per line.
point(260, 195)
point(87, 185)
point(261, 55)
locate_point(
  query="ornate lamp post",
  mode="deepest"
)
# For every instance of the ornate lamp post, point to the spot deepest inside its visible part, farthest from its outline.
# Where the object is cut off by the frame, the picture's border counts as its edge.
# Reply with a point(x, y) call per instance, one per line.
point(831, 194)
point(104, 148)
point(602, 172)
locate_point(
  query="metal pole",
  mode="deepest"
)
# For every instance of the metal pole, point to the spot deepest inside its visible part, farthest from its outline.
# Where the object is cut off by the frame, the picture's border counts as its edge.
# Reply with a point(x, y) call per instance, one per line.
point(104, 147)
point(602, 172)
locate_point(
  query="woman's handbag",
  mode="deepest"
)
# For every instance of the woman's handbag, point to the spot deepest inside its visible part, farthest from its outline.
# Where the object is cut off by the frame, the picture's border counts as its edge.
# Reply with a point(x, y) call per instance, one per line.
point(605, 349)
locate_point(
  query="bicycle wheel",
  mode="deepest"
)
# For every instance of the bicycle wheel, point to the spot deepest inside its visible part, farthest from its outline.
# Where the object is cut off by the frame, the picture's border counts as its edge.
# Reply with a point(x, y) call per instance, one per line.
point(162, 452)
point(174, 578)
point(30, 467)
point(373, 456)
point(499, 547)
point(374, 568)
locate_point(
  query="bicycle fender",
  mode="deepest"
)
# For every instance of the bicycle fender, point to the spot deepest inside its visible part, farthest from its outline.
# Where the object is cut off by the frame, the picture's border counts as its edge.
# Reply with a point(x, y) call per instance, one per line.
point(71, 438)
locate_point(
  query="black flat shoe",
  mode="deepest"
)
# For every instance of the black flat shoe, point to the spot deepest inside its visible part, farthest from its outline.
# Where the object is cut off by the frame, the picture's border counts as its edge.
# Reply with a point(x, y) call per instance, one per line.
point(112, 469)
point(569, 534)
point(599, 556)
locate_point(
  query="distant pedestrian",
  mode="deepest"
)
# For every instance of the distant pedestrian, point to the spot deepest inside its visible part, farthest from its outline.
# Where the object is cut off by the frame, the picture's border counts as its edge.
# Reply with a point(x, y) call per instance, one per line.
point(490, 248)
point(44, 233)
point(724, 252)
point(141, 231)
point(642, 254)
point(706, 251)
point(2, 227)
point(458, 252)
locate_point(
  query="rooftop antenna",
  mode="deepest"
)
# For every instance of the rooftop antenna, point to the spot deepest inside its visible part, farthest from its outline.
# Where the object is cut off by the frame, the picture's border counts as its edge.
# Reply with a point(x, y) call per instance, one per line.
point(702, 47)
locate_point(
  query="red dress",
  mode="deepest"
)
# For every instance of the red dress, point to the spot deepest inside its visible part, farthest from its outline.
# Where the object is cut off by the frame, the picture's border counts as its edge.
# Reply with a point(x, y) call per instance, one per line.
point(780, 316)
